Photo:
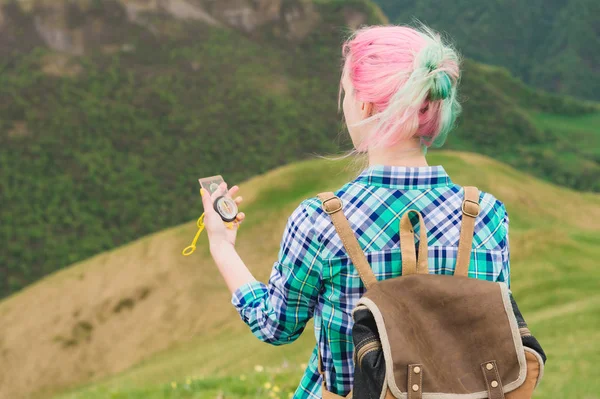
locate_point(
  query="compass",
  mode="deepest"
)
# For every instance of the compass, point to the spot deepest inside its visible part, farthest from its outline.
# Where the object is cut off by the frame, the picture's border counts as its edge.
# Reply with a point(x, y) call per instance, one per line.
point(226, 208)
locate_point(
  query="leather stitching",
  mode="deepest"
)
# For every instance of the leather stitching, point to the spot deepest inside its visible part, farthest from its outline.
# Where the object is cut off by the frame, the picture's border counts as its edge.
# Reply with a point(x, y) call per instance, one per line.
point(410, 393)
point(492, 375)
point(409, 385)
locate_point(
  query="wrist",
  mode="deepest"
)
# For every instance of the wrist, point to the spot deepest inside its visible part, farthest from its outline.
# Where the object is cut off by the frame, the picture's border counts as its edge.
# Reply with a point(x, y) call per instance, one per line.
point(219, 248)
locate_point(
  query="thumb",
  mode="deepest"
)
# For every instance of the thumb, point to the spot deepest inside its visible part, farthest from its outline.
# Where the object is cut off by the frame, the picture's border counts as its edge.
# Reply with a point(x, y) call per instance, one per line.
point(206, 201)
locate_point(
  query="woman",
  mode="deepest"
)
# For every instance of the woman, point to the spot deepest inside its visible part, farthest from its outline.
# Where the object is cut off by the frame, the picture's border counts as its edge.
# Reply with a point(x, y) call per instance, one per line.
point(400, 89)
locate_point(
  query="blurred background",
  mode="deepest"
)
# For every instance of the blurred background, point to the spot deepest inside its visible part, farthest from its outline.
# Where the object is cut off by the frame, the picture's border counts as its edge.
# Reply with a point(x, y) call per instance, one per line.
point(110, 110)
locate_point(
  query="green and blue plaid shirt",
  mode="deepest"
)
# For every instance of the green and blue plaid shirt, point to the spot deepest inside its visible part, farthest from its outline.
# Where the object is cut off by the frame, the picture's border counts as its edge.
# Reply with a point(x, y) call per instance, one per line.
point(314, 277)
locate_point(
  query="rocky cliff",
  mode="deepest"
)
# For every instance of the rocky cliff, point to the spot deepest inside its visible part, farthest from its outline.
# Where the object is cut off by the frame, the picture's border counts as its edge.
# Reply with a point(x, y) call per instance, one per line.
point(77, 27)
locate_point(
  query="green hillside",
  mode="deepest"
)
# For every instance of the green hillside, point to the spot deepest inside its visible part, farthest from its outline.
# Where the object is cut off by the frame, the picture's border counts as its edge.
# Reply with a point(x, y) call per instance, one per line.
point(129, 322)
point(550, 44)
point(109, 112)
point(546, 135)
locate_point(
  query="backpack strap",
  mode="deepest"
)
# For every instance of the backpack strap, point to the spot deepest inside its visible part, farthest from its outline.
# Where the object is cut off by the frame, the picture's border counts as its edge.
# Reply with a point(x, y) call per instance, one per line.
point(407, 245)
point(332, 205)
point(470, 211)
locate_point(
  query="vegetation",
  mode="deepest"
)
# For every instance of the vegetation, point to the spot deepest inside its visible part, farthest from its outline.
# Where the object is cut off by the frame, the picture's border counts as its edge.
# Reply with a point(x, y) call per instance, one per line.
point(274, 383)
point(550, 44)
point(111, 149)
point(509, 121)
point(185, 329)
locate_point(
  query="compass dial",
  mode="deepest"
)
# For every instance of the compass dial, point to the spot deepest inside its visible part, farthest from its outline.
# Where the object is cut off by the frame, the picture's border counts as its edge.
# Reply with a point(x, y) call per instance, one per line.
point(226, 208)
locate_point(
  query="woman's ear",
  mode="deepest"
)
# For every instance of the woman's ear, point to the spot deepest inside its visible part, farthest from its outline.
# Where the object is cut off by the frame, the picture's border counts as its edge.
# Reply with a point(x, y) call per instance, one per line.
point(367, 110)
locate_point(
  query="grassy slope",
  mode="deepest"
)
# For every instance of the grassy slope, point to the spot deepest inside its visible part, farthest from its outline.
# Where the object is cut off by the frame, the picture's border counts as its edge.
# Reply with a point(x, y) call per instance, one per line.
point(581, 130)
point(502, 120)
point(187, 320)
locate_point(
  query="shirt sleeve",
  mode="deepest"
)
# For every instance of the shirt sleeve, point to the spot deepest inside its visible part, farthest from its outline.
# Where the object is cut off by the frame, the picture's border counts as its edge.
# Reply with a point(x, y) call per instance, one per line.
point(505, 247)
point(278, 312)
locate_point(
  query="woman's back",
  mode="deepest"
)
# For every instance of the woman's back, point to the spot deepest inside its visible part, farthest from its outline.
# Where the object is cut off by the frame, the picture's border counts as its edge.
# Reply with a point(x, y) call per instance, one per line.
point(315, 265)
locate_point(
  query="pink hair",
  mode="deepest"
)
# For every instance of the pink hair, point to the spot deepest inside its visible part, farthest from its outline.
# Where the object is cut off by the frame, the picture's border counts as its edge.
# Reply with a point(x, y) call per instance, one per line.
point(410, 76)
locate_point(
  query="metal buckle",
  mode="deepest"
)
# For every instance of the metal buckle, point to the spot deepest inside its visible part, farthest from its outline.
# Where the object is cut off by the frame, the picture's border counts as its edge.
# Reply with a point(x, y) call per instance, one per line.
point(335, 210)
point(467, 213)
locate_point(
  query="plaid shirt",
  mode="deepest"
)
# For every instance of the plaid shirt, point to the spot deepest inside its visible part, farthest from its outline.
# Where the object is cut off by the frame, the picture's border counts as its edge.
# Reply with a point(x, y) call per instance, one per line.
point(314, 277)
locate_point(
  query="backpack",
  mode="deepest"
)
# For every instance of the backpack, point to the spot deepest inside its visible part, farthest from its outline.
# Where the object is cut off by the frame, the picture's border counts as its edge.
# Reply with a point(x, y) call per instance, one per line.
point(434, 336)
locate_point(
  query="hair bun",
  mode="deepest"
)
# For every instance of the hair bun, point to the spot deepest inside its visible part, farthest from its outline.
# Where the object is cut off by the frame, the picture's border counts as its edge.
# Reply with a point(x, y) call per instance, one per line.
point(431, 63)
point(441, 86)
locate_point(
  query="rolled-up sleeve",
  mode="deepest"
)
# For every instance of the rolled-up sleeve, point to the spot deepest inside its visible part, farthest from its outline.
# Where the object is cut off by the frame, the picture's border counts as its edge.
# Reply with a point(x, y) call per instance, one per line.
point(505, 248)
point(278, 312)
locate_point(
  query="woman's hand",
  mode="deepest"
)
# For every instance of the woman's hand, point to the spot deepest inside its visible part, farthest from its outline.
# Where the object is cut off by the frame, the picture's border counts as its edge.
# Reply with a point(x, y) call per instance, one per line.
point(218, 232)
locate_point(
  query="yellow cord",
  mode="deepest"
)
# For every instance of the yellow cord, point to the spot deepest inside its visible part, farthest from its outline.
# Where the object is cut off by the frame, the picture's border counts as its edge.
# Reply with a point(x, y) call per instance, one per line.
point(189, 250)
point(200, 223)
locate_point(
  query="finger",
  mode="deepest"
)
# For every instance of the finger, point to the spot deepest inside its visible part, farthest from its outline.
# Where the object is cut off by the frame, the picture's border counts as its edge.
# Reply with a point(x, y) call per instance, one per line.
point(216, 193)
point(240, 216)
point(238, 200)
point(206, 201)
point(233, 190)
point(220, 191)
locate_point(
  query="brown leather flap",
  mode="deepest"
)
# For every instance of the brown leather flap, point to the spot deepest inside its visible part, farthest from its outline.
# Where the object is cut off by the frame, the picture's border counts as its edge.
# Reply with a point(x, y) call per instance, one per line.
point(450, 325)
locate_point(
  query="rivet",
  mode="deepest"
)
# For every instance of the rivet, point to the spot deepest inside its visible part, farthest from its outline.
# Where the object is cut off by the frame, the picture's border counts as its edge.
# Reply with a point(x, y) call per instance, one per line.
point(494, 384)
point(489, 366)
point(417, 370)
point(415, 387)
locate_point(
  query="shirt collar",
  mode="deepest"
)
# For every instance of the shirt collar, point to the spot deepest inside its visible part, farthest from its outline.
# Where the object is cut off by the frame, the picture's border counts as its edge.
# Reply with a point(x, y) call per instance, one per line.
point(405, 177)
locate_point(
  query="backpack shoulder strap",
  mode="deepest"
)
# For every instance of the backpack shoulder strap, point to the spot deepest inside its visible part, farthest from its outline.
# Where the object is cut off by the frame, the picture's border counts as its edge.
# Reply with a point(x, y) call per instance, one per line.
point(332, 205)
point(470, 211)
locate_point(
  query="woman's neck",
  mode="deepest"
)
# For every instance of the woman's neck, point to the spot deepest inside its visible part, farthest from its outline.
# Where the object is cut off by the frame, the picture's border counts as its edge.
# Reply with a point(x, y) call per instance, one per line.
point(404, 153)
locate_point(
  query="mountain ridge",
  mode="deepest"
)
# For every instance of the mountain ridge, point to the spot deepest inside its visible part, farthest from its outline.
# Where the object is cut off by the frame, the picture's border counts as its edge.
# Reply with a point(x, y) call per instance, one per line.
point(99, 149)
